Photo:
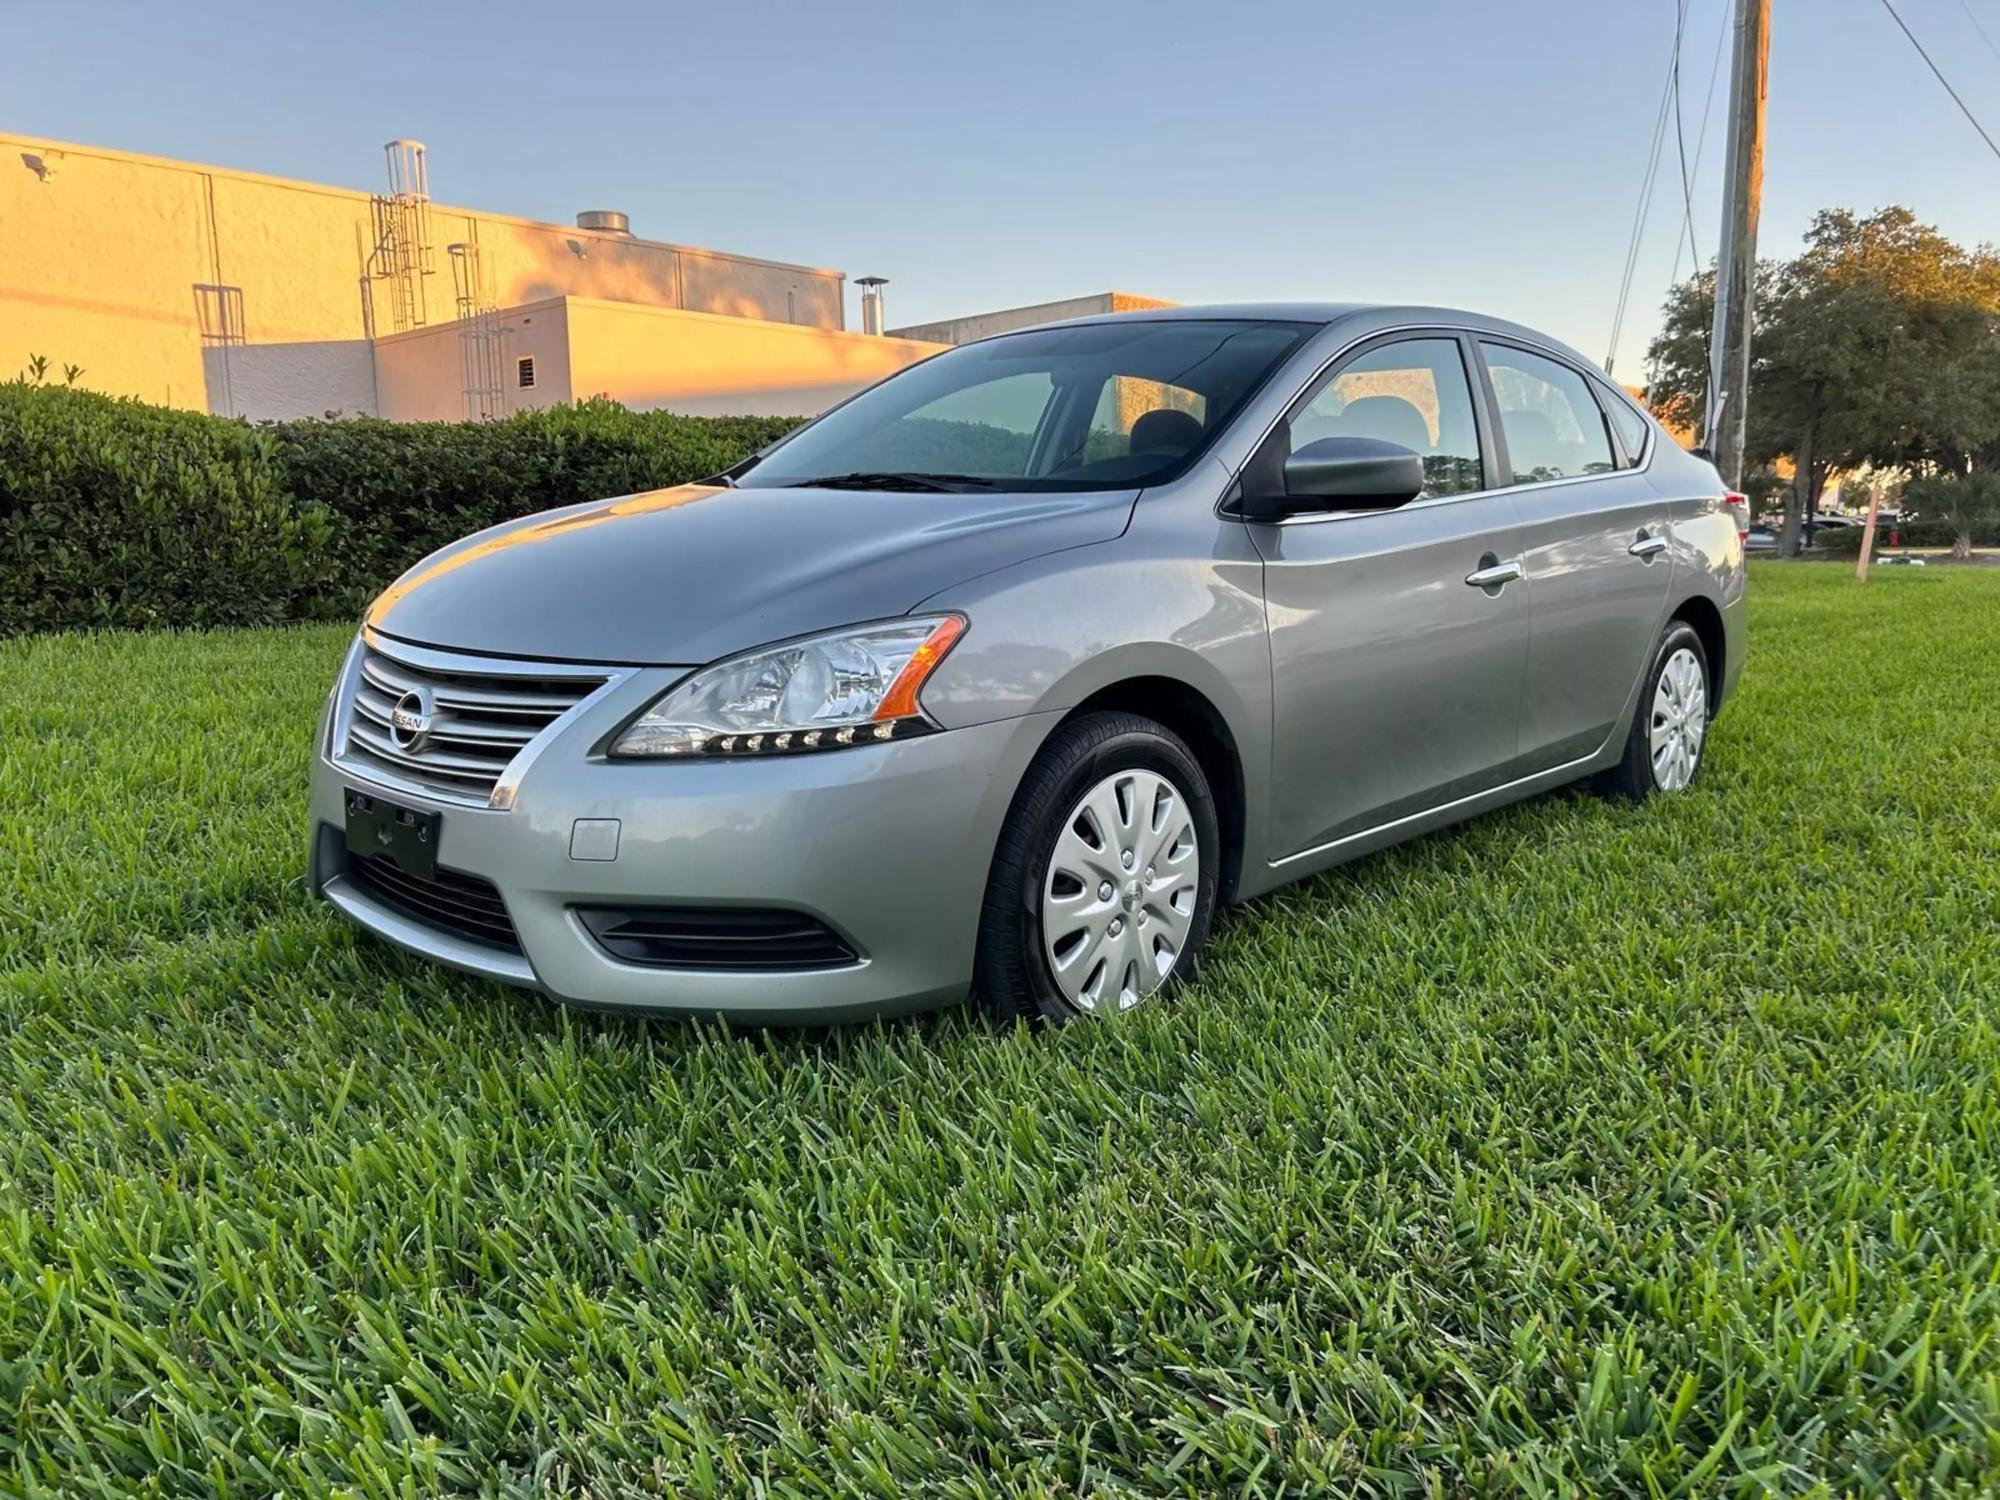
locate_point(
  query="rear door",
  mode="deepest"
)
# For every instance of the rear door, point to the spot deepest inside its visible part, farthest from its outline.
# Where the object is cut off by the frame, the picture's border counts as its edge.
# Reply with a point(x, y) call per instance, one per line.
point(1595, 545)
point(1396, 678)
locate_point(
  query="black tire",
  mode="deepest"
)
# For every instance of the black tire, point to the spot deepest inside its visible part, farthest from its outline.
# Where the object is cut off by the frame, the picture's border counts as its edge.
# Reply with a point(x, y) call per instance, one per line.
point(1011, 974)
point(1632, 779)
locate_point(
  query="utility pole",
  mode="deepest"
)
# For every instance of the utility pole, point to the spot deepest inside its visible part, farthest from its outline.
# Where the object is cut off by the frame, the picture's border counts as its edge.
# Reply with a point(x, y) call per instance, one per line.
point(1736, 261)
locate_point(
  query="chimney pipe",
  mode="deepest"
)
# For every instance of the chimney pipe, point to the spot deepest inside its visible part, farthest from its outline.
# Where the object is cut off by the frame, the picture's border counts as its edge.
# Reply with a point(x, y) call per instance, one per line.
point(606, 220)
point(871, 303)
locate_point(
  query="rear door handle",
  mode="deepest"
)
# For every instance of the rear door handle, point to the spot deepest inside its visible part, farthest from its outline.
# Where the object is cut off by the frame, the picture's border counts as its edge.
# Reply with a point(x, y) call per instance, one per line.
point(1494, 575)
point(1647, 547)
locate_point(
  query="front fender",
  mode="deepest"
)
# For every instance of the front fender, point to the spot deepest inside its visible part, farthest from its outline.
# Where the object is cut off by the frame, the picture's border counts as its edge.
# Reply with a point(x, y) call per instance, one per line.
point(1050, 633)
point(1047, 634)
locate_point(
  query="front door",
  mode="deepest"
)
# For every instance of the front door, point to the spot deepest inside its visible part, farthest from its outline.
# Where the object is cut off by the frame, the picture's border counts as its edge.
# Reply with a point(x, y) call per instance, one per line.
point(1398, 638)
point(1596, 550)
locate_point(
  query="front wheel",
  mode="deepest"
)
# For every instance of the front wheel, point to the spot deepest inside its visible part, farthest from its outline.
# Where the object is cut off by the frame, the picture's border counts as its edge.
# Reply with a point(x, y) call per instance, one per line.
point(1104, 882)
point(1670, 727)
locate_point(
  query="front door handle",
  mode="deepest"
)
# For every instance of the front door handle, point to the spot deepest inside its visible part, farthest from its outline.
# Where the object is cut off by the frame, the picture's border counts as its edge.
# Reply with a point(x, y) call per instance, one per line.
point(1647, 547)
point(1493, 575)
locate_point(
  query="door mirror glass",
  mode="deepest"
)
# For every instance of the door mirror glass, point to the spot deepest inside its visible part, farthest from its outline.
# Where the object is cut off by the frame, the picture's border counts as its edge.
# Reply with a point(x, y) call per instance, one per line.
point(1392, 423)
point(1340, 473)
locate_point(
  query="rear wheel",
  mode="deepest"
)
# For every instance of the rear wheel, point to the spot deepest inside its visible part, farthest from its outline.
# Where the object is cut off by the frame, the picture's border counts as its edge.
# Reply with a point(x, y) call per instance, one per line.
point(1103, 885)
point(1670, 726)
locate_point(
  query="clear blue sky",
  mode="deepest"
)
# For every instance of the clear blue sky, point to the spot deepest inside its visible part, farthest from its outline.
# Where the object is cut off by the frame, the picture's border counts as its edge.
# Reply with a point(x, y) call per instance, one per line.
point(1476, 152)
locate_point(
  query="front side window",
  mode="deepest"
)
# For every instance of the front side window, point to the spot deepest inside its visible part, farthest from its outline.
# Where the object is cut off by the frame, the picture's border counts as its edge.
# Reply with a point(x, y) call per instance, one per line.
point(1413, 393)
point(1552, 423)
point(1098, 406)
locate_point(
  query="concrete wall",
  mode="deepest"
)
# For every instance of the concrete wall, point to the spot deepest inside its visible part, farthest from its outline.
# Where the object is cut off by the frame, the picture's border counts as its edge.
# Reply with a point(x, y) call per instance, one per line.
point(420, 375)
point(700, 364)
point(104, 255)
point(524, 262)
point(703, 365)
point(328, 377)
point(82, 287)
point(985, 325)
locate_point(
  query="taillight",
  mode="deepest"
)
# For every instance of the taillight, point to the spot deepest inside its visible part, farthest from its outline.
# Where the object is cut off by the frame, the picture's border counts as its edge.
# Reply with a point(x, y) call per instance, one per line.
point(1739, 507)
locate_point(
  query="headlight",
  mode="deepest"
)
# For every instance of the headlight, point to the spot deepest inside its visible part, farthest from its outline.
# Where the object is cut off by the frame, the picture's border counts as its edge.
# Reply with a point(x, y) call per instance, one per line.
point(847, 687)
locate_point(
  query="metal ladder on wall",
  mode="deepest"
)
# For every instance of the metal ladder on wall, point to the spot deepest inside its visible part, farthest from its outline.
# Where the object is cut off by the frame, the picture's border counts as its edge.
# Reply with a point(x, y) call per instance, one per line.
point(401, 259)
point(482, 338)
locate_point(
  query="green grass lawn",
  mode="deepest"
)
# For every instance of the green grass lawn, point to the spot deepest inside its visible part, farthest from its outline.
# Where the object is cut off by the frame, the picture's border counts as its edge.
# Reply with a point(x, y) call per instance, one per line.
point(1583, 1147)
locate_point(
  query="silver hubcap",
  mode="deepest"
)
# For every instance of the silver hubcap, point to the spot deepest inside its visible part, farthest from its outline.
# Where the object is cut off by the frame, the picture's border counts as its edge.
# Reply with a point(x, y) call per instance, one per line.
point(1119, 898)
point(1680, 719)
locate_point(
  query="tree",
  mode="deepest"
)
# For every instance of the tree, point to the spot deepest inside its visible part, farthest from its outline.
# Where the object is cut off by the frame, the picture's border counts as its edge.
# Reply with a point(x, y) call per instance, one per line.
point(1968, 503)
point(1877, 345)
point(1760, 487)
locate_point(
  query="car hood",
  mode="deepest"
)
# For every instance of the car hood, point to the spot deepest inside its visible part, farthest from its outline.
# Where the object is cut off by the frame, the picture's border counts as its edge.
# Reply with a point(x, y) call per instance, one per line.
point(684, 576)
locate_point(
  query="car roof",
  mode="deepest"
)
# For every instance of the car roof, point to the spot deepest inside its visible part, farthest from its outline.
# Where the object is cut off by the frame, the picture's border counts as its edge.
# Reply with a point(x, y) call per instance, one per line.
point(1326, 314)
point(1269, 312)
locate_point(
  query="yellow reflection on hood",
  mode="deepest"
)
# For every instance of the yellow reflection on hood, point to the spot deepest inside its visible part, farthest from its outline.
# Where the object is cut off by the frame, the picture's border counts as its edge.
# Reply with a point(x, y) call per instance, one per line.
point(521, 536)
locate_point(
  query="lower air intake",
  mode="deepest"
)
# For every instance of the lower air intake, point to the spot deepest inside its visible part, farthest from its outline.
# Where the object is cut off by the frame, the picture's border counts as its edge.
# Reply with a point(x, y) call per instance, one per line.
point(460, 904)
point(719, 938)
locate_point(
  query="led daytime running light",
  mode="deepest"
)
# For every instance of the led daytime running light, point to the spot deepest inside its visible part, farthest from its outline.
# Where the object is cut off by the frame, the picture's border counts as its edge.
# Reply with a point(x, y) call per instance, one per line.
point(855, 686)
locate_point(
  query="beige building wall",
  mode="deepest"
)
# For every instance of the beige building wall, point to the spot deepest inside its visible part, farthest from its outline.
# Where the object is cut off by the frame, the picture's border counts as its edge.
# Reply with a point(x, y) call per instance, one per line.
point(985, 325)
point(112, 261)
point(97, 268)
point(698, 364)
point(420, 375)
point(702, 365)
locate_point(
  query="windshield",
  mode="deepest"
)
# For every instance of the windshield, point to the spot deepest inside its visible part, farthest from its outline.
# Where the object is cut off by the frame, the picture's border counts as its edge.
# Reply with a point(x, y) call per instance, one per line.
point(1100, 406)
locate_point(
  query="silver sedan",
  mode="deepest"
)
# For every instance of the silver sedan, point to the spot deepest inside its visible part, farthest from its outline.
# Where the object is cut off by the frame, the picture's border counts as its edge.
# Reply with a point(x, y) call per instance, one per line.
point(1001, 677)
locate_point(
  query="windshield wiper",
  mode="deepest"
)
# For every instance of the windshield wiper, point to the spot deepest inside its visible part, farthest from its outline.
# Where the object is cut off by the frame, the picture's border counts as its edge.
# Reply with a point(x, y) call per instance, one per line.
point(891, 479)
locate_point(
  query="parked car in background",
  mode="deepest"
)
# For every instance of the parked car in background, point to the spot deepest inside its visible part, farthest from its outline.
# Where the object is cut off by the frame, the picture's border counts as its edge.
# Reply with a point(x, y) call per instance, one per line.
point(1009, 672)
point(1760, 538)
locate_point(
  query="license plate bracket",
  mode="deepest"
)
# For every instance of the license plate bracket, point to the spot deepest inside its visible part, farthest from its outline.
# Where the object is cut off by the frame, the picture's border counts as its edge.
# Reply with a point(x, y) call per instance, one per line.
point(407, 837)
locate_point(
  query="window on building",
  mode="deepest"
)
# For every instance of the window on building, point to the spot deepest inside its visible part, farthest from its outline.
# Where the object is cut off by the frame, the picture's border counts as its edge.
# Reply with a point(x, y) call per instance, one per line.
point(525, 365)
point(1553, 425)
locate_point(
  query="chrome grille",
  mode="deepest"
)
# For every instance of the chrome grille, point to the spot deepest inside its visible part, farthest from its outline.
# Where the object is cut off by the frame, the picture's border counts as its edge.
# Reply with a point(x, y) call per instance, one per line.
point(477, 717)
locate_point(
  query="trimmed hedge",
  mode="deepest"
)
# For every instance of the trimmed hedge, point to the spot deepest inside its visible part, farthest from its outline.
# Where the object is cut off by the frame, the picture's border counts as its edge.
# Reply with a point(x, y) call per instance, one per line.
point(115, 514)
point(1918, 533)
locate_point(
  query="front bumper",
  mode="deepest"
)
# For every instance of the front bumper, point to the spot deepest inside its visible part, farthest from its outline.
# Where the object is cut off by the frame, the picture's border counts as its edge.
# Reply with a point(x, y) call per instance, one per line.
point(889, 845)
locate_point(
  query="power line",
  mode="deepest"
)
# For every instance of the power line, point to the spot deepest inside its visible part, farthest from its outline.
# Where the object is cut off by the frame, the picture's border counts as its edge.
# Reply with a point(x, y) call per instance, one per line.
point(1701, 138)
point(1722, 33)
point(1971, 118)
point(1680, 141)
point(1646, 185)
point(1966, 6)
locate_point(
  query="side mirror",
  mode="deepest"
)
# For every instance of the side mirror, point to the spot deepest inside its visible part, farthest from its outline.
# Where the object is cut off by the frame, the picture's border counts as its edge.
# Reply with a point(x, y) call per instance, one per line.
point(1343, 473)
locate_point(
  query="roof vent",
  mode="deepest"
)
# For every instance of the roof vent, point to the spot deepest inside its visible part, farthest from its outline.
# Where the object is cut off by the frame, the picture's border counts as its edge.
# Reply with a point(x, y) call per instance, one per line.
point(608, 220)
point(872, 315)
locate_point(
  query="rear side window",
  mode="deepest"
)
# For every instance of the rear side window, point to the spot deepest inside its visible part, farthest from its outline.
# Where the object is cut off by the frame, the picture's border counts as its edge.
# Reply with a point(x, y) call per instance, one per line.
point(1413, 393)
point(1553, 426)
point(1629, 425)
